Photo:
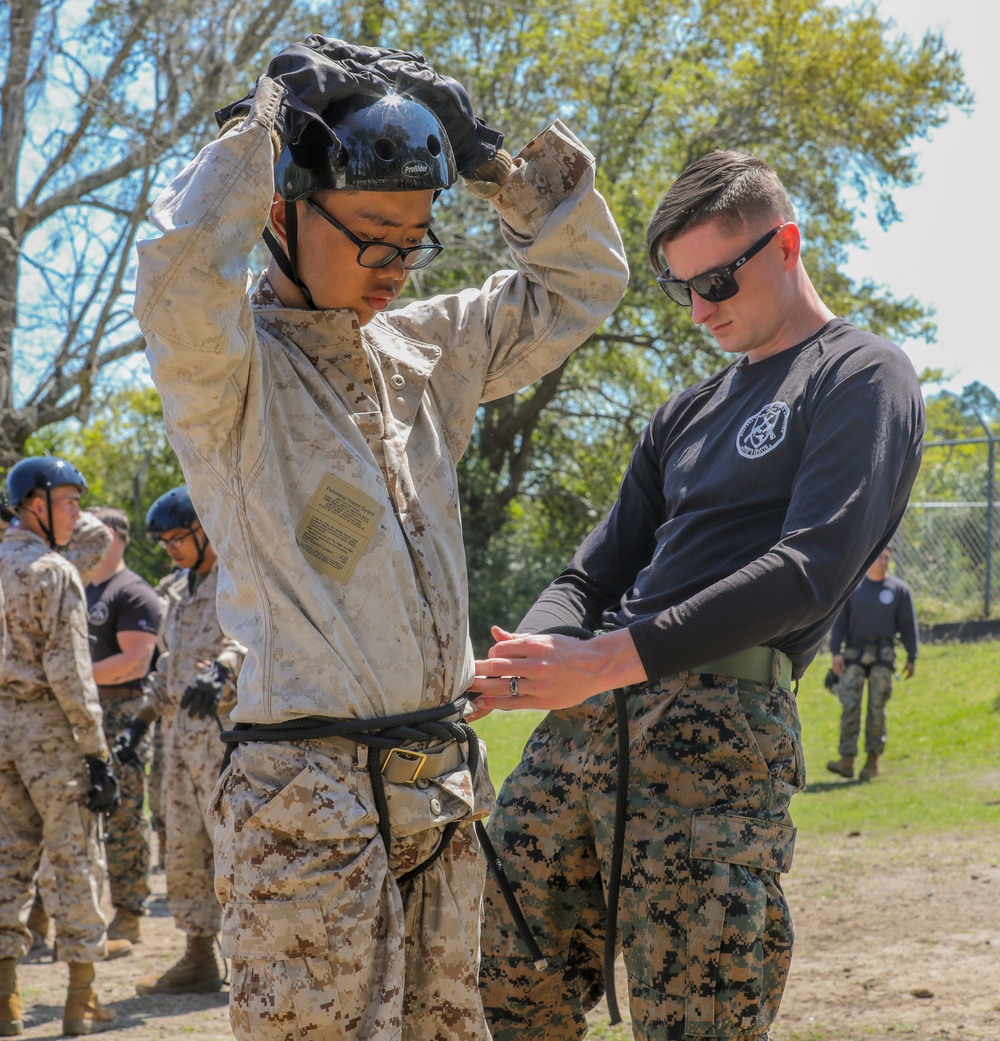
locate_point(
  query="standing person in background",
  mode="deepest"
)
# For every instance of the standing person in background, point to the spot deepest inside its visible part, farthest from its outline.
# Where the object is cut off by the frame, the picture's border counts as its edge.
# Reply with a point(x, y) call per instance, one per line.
point(192, 689)
point(87, 549)
point(863, 642)
point(123, 615)
point(320, 431)
point(55, 773)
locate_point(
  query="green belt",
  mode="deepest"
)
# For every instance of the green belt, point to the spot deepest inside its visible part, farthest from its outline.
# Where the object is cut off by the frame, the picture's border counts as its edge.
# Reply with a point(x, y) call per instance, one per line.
point(756, 665)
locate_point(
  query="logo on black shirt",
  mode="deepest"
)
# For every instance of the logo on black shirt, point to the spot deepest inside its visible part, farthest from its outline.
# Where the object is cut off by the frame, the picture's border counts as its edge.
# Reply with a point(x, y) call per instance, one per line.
point(763, 431)
point(99, 613)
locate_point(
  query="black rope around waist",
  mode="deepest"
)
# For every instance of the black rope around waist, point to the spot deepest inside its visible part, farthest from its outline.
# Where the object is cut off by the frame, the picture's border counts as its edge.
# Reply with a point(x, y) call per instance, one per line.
point(387, 732)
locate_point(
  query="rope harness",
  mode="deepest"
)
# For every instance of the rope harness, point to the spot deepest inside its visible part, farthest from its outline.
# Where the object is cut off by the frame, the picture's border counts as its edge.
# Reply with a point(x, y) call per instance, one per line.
point(390, 736)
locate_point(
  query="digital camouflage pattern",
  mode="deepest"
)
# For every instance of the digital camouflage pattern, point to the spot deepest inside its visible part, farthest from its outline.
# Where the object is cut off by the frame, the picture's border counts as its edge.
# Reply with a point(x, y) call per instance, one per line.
point(321, 457)
point(126, 830)
point(850, 690)
point(48, 650)
point(324, 942)
point(322, 460)
point(44, 783)
point(50, 718)
point(705, 928)
point(192, 754)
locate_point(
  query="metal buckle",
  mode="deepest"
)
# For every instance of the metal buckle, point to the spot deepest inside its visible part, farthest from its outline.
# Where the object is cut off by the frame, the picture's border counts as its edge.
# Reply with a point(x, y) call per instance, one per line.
point(407, 757)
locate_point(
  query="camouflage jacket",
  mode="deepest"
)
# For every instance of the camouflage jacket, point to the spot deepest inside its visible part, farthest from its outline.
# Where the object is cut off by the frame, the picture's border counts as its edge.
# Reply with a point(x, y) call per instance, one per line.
point(190, 633)
point(321, 456)
point(48, 651)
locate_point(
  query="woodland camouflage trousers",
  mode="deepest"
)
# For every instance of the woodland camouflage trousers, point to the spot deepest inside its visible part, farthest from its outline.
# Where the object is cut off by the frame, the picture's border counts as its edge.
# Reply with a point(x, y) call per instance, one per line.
point(705, 928)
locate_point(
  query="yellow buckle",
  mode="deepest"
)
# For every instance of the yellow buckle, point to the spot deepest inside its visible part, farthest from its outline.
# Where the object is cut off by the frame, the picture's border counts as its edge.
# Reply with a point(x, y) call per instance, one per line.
point(409, 758)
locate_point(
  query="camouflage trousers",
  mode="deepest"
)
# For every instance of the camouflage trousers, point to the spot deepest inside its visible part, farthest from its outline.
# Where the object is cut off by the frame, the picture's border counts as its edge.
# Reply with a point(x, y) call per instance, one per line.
point(850, 691)
point(43, 782)
point(325, 943)
point(126, 831)
point(192, 758)
point(706, 931)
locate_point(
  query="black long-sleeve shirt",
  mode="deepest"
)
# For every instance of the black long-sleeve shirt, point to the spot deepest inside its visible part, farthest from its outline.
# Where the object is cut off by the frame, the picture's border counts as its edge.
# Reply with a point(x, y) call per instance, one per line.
point(751, 506)
point(877, 611)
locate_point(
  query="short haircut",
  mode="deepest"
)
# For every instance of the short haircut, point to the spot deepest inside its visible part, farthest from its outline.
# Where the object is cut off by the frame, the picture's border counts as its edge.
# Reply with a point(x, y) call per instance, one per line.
point(115, 519)
point(734, 188)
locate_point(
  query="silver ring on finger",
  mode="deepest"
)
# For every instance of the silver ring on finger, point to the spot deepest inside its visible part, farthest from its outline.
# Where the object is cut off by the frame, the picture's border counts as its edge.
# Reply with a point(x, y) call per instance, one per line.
point(514, 692)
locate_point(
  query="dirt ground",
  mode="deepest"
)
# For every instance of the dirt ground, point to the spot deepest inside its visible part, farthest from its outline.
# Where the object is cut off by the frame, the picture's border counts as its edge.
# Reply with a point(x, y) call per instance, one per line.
point(896, 940)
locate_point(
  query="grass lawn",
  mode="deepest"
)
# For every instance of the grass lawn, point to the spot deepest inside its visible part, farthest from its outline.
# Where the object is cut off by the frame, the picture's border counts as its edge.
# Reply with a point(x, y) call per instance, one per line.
point(943, 755)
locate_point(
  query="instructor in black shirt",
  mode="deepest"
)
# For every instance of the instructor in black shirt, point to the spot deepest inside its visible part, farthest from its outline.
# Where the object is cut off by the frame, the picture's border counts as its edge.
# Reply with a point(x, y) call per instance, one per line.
point(752, 505)
point(863, 642)
point(123, 614)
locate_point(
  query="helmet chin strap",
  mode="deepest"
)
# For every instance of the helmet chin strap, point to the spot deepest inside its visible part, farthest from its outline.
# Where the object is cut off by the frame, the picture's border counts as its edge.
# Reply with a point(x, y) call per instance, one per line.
point(195, 569)
point(286, 261)
point(49, 528)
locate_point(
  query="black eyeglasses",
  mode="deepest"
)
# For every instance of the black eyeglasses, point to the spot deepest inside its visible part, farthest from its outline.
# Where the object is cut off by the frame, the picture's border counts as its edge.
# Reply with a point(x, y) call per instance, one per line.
point(715, 285)
point(177, 541)
point(381, 254)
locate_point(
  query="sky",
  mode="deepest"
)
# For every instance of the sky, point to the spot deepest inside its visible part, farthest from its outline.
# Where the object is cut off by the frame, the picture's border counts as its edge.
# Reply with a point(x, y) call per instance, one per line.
point(945, 251)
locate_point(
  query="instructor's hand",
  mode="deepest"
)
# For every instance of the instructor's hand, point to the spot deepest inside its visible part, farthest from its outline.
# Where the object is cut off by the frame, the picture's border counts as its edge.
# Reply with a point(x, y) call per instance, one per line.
point(547, 671)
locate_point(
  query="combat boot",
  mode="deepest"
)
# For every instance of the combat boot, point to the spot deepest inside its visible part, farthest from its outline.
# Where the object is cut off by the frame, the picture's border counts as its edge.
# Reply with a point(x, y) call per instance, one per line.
point(870, 769)
point(196, 973)
point(38, 923)
point(843, 767)
point(124, 926)
point(11, 1013)
point(83, 1013)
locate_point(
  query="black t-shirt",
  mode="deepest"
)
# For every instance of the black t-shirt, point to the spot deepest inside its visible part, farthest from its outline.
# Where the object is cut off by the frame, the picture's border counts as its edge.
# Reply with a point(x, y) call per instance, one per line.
point(124, 603)
point(877, 611)
point(752, 505)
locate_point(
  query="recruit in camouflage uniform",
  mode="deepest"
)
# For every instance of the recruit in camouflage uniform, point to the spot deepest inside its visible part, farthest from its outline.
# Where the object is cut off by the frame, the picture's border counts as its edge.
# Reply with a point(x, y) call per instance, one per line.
point(91, 541)
point(320, 447)
point(53, 755)
point(51, 720)
point(192, 760)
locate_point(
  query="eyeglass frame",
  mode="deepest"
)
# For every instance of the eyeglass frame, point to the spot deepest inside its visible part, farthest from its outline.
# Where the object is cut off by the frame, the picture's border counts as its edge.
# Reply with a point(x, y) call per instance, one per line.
point(730, 287)
point(177, 541)
point(434, 247)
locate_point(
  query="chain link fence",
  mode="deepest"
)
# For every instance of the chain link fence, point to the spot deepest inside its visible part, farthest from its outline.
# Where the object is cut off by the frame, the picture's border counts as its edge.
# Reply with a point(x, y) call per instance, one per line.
point(946, 546)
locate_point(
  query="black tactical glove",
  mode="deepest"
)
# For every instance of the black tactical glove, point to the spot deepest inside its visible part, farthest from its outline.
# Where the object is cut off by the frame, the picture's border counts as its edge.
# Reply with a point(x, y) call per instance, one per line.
point(103, 796)
point(125, 748)
point(202, 696)
point(318, 72)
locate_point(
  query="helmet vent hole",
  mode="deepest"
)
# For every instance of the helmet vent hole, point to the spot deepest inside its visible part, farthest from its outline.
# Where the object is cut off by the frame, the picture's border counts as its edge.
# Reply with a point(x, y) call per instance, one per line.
point(385, 149)
point(433, 145)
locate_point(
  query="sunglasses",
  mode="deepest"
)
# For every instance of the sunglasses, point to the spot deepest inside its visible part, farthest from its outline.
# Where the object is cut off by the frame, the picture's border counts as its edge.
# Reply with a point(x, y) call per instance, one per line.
point(381, 254)
point(715, 285)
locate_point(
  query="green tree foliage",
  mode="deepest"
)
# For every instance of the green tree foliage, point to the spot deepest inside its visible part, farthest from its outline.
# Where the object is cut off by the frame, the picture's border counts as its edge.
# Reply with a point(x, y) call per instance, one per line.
point(649, 86)
point(99, 102)
point(97, 112)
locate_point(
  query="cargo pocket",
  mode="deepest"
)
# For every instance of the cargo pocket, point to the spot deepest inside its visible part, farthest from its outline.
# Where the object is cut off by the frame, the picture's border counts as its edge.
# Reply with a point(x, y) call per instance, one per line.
point(739, 934)
point(273, 930)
